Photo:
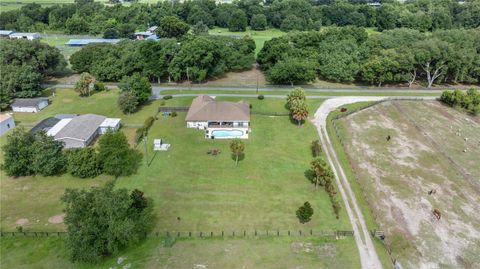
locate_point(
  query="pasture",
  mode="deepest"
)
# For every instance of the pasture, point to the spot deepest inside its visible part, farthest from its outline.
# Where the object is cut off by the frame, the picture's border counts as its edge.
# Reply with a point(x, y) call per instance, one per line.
point(429, 163)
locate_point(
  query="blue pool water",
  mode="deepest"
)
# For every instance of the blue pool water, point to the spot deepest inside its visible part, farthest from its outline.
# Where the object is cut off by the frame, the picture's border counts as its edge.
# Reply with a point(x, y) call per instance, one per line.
point(227, 133)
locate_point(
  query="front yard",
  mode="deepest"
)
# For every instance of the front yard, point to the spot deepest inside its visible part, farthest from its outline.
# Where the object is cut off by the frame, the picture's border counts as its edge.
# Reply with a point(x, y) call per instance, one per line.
point(193, 191)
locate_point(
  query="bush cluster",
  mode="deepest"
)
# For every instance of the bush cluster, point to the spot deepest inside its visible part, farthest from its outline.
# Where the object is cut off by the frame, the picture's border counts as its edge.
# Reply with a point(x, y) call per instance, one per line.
point(469, 100)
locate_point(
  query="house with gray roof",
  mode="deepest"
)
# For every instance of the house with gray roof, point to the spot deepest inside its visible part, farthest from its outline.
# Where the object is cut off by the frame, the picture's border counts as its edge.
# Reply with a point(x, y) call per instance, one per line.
point(219, 119)
point(32, 105)
point(76, 131)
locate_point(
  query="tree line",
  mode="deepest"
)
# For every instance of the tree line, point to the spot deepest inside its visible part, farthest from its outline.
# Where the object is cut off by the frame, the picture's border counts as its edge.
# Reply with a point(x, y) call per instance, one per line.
point(194, 58)
point(87, 16)
point(349, 54)
point(24, 65)
point(28, 154)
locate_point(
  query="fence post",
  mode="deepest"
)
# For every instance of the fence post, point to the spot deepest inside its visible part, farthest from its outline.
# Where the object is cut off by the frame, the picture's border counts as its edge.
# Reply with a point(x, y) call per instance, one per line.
point(288, 232)
point(311, 232)
point(300, 232)
point(255, 232)
point(233, 233)
point(201, 234)
point(244, 233)
point(168, 234)
point(211, 234)
point(178, 234)
point(189, 234)
point(222, 233)
point(278, 232)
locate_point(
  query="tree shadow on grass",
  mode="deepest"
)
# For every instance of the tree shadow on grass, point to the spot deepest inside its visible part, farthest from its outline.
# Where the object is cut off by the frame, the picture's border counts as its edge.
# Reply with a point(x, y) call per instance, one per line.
point(241, 157)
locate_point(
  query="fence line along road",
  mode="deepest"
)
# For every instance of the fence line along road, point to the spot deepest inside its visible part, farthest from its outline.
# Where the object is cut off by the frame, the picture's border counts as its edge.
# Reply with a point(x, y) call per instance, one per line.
point(337, 234)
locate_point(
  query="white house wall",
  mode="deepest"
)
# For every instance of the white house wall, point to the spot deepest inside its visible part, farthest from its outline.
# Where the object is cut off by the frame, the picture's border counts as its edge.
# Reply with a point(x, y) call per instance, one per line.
point(25, 109)
point(197, 124)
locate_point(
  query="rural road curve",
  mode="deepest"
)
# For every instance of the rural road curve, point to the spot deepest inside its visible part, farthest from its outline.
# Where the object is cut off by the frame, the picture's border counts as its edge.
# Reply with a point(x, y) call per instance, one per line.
point(368, 255)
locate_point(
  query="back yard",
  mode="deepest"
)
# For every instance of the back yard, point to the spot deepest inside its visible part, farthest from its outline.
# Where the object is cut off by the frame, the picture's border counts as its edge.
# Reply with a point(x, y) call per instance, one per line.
point(428, 164)
point(194, 191)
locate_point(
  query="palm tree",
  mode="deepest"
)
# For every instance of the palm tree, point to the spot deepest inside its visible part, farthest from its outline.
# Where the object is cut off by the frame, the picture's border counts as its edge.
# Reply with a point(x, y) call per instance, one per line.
point(299, 111)
point(237, 147)
point(298, 94)
point(320, 169)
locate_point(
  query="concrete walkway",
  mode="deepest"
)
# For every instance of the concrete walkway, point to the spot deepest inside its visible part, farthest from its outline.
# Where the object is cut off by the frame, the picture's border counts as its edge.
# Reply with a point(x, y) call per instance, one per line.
point(368, 255)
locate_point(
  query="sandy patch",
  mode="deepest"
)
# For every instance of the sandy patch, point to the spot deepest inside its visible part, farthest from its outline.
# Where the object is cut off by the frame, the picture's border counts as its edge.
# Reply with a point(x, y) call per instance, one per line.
point(57, 219)
point(21, 221)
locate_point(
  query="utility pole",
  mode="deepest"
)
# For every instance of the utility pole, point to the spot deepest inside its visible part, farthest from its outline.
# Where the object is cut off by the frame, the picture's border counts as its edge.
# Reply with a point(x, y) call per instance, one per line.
point(188, 78)
point(257, 83)
point(145, 146)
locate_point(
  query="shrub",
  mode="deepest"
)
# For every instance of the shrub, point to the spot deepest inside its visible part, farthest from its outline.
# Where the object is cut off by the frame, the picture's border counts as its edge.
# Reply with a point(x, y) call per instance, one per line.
point(83, 163)
point(305, 212)
point(469, 100)
point(148, 123)
point(139, 134)
point(261, 97)
point(117, 157)
point(128, 102)
point(166, 97)
point(162, 103)
point(99, 86)
point(174, 114)
point(316, 148)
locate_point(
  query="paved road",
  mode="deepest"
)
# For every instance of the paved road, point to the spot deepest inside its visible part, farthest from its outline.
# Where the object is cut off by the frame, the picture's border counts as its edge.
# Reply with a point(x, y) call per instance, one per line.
point(368, 255)
point(157, 90)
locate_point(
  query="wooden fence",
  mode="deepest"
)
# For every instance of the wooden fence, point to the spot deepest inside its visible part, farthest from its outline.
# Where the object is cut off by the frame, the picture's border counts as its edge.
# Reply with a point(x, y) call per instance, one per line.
point(203, 234)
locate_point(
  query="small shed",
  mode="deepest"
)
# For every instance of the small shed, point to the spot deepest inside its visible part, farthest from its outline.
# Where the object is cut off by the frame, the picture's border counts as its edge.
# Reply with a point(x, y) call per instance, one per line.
point(29, 36)
point(6, 123)
point(32, 105)
point(109, 124)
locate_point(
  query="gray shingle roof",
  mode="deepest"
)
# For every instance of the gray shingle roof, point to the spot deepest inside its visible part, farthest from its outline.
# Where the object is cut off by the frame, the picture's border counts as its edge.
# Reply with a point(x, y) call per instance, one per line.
point(81, 127)
point(28, 102)
point(205, 108)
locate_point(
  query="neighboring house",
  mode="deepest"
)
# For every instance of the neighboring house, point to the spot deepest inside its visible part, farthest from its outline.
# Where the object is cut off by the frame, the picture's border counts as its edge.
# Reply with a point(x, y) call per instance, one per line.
point(80, 131)
point(147, 35)
point(29, 36)
point(29, 104)
point(6, 123)
point(87, 41)
point(219, 119)
point(5, 33)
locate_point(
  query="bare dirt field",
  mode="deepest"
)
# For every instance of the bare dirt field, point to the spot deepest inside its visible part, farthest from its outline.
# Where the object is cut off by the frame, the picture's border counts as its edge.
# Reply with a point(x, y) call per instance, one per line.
point(430, 163)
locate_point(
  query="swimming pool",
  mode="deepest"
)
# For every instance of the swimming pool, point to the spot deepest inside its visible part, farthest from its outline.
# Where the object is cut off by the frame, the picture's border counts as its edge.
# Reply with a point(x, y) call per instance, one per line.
point(226, 133)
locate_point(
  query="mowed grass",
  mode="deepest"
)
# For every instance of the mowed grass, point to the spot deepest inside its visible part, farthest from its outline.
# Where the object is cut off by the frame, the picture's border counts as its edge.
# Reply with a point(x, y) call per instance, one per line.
point(207, 193)
point(258, 36)
point(277, 253)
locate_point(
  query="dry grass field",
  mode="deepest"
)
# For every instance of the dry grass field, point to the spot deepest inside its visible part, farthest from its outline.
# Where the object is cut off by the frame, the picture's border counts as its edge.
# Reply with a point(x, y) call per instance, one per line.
point(431, 162)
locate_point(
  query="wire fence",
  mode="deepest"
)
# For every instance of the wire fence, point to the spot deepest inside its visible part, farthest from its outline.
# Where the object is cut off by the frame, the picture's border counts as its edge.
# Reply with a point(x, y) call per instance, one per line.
point(335, 234)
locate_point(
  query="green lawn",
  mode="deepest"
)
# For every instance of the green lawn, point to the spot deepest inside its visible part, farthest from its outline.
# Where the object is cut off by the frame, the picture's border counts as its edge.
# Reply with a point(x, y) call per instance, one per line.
point(258, 36)
point(283, 252)
point(207, 193)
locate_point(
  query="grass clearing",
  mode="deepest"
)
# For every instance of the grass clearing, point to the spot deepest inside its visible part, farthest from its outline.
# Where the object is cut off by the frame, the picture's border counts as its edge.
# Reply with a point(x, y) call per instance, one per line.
point(424, 154)
point(258, 36)
point(207, 193)
point(282, 252)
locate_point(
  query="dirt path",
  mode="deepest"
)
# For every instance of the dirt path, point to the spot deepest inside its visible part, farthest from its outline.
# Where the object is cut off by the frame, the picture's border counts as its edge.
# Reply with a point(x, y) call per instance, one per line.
point(368, 255)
